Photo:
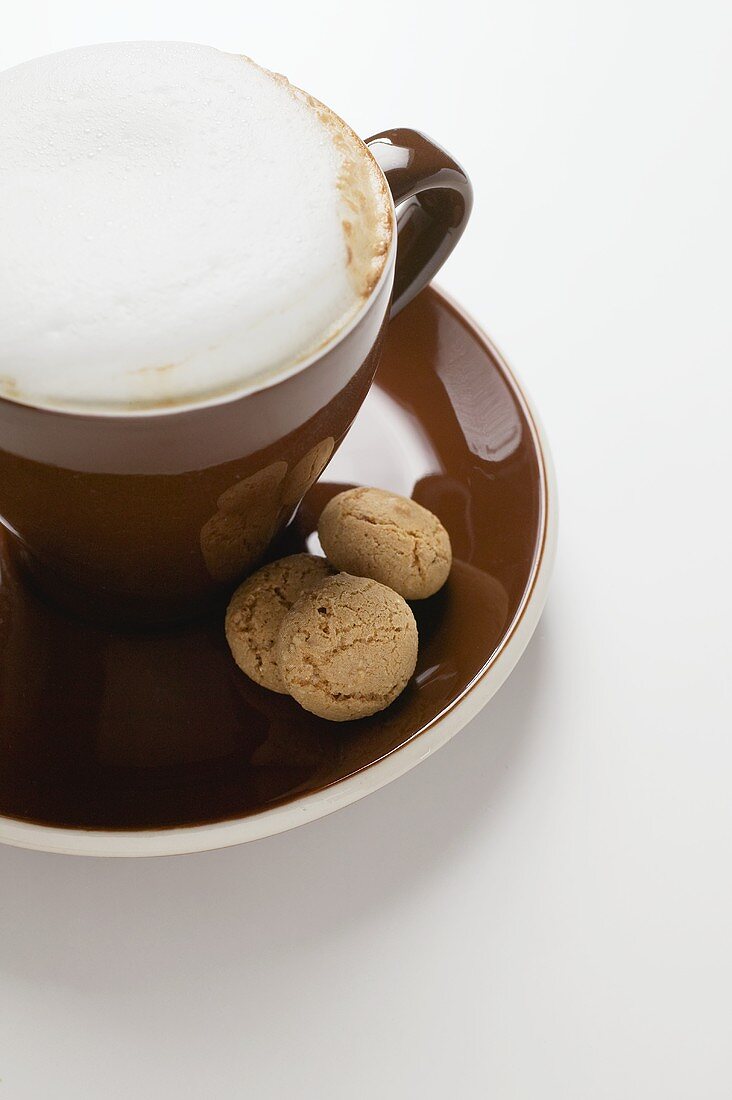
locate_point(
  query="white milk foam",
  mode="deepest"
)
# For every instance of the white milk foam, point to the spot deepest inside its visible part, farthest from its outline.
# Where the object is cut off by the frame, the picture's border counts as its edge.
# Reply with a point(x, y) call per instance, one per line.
point(174, 223)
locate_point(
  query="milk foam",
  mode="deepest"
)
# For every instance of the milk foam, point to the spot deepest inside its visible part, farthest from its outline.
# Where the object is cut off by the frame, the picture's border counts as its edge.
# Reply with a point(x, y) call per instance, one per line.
point(175, 222)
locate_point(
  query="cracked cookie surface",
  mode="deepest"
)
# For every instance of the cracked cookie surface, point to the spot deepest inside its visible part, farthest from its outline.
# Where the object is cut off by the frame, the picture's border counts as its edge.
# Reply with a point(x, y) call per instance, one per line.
point(347, 648)
point(257, 609)
point(393, 540)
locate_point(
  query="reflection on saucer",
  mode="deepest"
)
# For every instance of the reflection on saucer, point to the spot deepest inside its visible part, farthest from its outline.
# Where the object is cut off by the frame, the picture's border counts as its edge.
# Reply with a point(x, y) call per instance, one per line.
point(289, 737)
point(472, 609)
point(175, 682)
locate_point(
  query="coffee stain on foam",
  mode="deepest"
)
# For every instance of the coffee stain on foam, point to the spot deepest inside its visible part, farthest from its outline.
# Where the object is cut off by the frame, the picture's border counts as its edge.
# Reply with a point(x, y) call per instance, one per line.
point(156, 370)
point(152, 386)
point(366, 202)
point(9, 387)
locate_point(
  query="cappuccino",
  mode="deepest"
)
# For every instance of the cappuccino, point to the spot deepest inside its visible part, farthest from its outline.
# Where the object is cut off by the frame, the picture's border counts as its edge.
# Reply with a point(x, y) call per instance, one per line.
point(177, 224)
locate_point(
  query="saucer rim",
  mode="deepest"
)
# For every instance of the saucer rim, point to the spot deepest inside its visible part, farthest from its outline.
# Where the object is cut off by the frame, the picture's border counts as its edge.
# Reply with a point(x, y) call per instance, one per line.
point(188, 839)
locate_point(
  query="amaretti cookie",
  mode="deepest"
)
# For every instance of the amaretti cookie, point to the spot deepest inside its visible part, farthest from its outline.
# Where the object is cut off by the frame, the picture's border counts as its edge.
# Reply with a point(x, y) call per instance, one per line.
point(393, 540)
point(347, 648)
point(258, 607)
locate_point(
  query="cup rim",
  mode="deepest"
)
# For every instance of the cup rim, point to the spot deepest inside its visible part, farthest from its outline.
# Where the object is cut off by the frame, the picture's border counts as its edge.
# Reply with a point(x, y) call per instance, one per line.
point(262, 382)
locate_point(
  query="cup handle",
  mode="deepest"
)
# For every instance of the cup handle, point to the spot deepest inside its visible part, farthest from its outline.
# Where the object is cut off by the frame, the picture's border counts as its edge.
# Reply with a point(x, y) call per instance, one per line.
point(433, 199)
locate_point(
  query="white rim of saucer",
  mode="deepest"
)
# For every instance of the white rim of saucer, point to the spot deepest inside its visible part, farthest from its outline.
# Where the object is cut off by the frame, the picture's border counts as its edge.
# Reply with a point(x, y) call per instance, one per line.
point(200, 838)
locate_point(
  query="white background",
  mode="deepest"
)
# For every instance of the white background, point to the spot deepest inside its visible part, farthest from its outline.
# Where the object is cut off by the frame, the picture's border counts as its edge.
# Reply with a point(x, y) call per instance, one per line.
point(543, 909)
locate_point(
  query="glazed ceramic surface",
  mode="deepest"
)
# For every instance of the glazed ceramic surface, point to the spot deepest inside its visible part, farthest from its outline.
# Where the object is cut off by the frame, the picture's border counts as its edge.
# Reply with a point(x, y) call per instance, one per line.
point(146, 518)
point(127, 743)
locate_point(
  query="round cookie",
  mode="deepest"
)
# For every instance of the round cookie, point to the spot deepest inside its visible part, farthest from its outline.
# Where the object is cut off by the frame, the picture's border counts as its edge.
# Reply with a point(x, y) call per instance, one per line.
point(347, 648)
point(257, 609)
point(394, 540)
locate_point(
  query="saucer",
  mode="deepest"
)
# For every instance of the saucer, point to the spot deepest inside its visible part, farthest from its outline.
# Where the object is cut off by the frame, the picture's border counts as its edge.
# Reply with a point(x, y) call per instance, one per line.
point(127, 744)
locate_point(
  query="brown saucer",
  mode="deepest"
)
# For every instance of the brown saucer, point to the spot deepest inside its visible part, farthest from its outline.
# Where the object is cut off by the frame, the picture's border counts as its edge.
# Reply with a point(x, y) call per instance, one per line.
point(104, 730)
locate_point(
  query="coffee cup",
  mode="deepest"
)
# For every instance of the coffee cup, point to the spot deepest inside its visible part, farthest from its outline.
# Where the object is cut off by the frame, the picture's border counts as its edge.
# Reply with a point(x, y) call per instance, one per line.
point(146, 515)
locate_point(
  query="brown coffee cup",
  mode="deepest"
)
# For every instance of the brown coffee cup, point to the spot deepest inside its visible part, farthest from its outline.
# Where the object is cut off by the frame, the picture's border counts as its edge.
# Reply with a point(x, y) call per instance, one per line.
point(144, 518)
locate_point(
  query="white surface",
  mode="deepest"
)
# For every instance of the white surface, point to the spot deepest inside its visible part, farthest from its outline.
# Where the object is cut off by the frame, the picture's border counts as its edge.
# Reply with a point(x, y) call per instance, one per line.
point(154, 247)
point(543, 908)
